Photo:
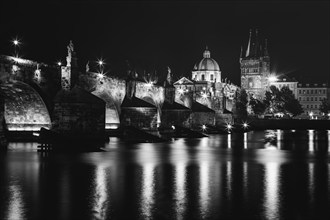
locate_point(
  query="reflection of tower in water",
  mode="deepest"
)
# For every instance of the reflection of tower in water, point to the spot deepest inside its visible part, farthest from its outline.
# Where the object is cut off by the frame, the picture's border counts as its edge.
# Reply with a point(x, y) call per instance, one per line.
point(101, 194)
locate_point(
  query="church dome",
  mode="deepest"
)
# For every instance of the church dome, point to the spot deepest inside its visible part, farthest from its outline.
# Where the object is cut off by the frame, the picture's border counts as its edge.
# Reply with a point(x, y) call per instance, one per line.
point(207, 63)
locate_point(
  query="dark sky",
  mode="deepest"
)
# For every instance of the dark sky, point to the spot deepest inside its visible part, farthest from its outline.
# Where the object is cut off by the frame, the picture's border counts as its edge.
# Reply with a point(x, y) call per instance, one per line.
point(153, 35)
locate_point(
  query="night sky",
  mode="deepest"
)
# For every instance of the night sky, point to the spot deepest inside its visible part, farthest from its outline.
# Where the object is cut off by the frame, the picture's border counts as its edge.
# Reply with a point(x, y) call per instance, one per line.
point(154, 35)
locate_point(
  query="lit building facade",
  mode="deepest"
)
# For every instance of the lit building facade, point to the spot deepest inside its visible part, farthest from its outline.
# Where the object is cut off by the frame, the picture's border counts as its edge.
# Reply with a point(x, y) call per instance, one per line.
point(310, 97)
point(281, 82)
point(255, 67)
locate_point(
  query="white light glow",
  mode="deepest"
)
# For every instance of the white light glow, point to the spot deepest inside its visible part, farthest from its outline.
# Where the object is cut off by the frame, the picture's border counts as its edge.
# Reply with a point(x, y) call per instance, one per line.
point(204, 95)
point(147, 193)
point(272, 180)
point(272, 78)
point(173, 127)
point(100, 197)
point(59, 63)
point(15, 208)
point(180, 91)
point(16, 42)
point(311, 140)
point(229, 141)
point(245, 140)
point(180, 191)
point(203, 127)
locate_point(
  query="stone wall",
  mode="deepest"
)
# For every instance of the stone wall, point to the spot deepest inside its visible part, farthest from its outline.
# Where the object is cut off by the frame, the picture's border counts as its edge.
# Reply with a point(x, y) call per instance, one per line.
point(202, 118)
point(78, 112)
point(175, 117)
point(144, 118)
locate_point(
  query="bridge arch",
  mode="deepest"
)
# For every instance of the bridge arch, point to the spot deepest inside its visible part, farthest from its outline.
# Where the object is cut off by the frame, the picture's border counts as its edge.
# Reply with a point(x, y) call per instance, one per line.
point(24, 109)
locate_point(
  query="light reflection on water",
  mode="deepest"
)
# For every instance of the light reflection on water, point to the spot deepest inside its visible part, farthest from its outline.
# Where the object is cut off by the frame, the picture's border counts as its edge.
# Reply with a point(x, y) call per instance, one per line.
point(16, 205)
point(224, 176)
point(271, 181)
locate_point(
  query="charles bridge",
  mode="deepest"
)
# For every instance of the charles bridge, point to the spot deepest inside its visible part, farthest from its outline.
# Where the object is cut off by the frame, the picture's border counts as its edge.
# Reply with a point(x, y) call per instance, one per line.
point(35, 95)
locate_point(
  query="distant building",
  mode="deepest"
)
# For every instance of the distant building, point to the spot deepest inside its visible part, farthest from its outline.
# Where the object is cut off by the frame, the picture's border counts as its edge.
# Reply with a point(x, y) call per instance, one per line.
point(282, 81)
point(255, 67)
point(310, 96)
point(208, 89)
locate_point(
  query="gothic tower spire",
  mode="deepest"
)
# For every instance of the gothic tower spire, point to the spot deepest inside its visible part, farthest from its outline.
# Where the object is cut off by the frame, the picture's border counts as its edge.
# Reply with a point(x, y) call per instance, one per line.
point(248, 47)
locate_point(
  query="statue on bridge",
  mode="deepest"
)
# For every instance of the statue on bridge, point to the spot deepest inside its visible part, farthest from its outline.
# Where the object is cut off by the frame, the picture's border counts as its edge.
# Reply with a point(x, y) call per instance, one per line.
point(70, 48)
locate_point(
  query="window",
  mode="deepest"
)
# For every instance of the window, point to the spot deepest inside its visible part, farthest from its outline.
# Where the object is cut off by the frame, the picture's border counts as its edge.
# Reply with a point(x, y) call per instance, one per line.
point(316, 106)
point(299, 98)
point(311, 91)
point(203, 77)
point(307, 91)
point(307, 106)
point(303, 91)
point(312, 98)
point(211, 77)
point(299, 91)
point(307, 99)
point(323, 91)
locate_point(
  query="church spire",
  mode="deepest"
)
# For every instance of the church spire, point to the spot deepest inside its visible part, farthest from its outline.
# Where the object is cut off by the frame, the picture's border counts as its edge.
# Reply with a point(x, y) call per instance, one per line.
point(248, 47)
point(266, 54)
point(256, 47)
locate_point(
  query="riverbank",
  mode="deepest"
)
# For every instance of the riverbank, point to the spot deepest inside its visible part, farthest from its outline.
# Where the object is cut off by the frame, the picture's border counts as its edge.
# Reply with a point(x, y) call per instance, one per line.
point(285, 124)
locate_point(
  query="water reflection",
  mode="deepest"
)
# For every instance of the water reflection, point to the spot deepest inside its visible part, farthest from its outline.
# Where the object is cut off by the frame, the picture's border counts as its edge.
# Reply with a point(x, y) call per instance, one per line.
point(147, 193)
point(311, 140)
point(229, 141)
point(271, 181)
point(180, 191)
point(204, 187)
point(101, 194)
point(245, 139)
point(182, 179)
point(329, 140)
point(16, 205)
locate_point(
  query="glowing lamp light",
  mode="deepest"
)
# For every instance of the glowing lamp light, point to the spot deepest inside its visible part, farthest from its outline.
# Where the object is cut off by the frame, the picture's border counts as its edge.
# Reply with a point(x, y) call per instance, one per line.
point(100, 62)
point(272, 78)
point(59, 63)
point(245, 125)
point(173, 127)
point(16, 42)
point(100, 75)
point(203, 127)
point(204, 95)
point(180, 91)
point(311, 114)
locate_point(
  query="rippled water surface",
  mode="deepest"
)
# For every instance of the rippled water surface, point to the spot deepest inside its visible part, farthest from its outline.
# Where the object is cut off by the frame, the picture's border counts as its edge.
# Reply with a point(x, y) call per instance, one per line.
point(259, 175)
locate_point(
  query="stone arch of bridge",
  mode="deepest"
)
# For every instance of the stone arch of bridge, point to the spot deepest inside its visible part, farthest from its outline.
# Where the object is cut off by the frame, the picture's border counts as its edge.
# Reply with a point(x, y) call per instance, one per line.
point(24, 109)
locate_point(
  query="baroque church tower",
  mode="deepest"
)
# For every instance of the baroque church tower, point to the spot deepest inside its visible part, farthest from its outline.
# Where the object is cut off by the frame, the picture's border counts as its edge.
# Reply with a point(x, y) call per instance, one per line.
point(255, 67)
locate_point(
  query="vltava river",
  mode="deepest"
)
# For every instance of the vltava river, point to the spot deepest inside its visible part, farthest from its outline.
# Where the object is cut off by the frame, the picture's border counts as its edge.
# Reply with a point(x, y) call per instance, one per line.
point(270, 174)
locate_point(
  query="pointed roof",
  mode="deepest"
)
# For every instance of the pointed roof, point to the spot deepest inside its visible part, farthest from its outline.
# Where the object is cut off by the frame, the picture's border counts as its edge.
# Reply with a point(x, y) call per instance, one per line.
point(248, 47)
point(174, 106)
point(135, 102)
point(183, 81)
point(198, 107)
